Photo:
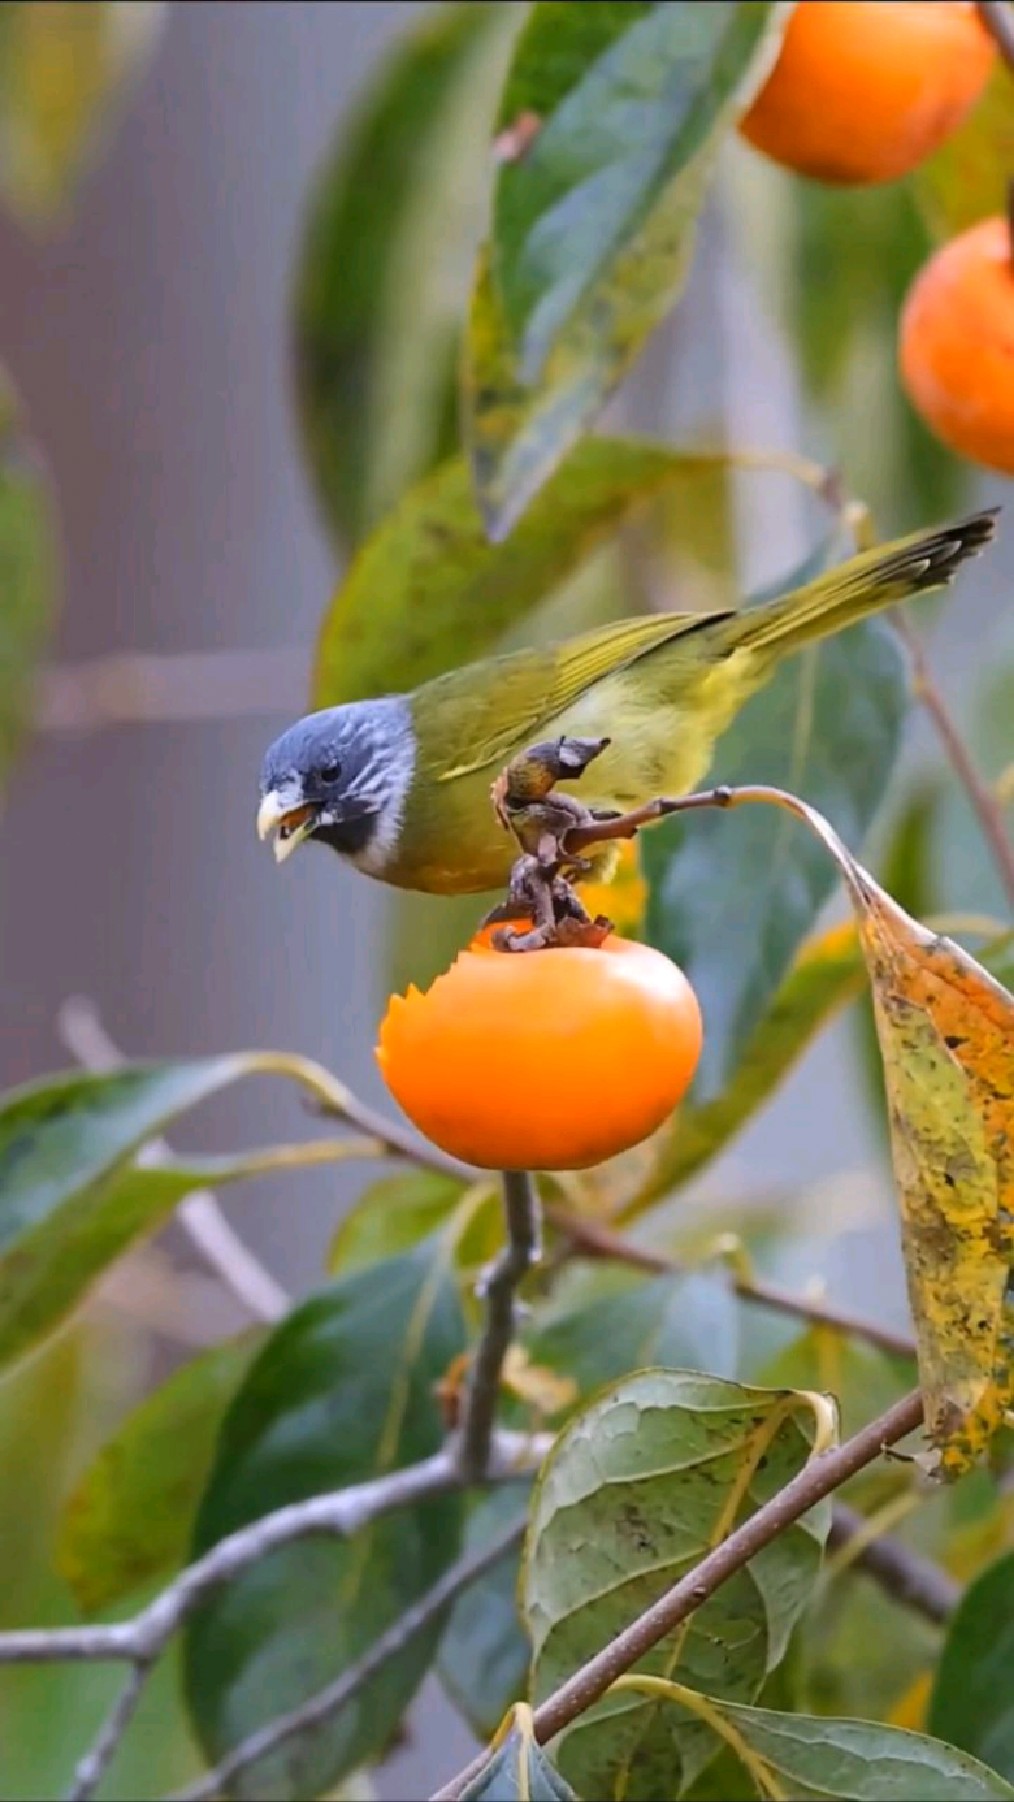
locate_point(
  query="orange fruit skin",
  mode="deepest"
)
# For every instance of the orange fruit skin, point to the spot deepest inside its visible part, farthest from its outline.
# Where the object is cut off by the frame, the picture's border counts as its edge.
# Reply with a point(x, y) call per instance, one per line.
point(956, 344)
point(543, 1060)
point(864, 90)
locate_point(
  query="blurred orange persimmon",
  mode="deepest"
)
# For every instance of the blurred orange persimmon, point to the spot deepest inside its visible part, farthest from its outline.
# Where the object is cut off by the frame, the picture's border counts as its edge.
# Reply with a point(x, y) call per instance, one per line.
point(956, 344)
point(550, 1060)
point(864, 90)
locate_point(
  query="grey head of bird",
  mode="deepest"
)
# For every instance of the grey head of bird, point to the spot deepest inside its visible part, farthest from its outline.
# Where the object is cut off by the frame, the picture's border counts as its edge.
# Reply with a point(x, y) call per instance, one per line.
point(340, 776)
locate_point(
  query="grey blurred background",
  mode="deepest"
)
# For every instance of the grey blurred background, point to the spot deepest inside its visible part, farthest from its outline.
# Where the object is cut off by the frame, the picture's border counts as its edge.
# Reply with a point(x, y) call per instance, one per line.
point(149, 344)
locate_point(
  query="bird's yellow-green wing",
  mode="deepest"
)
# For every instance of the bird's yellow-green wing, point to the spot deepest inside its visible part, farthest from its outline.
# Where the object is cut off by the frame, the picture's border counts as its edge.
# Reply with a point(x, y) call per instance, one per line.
point(481, 714)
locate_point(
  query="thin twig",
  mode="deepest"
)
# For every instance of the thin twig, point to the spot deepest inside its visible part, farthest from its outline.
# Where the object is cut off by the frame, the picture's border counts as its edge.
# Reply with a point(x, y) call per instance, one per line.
point(824, 1473)
point(997, 18)
point(522, 1250)
point(981, 797)
point(898, 1570)
point(96, 1761)
point(344, 1689)
point(341, 1513)
point(595, 1241)
point(80, 1027)
point(332, 1100)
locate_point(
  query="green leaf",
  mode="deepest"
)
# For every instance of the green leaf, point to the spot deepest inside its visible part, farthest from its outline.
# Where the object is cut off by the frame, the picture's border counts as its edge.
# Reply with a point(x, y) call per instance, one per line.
point(72, 1198)
point(593, 224)
point(840, 1761)
point(485, 1652)
point(973, 1697)
point(828, 973)
point(863, 1380)
point(71, 1201)
point(613, 1321)
point(392, 1215)
point(428, 590)
point(868, 244)
point(28, 569)
point(656, 1471)
point(732, 897)
point(63, 68)
point(130, 1517)
point(967, 178)
point(342, 1392)
point(518, 1771)
point(384, 264)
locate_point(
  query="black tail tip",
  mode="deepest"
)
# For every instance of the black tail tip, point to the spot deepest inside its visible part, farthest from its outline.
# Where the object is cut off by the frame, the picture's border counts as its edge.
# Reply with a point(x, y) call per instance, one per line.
point(969, 536)
point(952, 545)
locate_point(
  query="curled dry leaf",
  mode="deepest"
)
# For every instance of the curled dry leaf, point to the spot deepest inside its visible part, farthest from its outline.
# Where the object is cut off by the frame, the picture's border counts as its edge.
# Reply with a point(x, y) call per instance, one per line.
point(946, 1034)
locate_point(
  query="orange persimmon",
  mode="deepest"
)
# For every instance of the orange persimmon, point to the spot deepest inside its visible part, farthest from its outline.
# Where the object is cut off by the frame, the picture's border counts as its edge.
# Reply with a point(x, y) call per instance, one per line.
point(864, 90)
point(956, 344)
point(548, 1060)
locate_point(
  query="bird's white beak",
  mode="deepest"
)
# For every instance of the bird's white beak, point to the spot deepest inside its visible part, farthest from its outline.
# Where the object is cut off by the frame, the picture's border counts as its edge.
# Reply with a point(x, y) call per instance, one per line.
point(286, 821)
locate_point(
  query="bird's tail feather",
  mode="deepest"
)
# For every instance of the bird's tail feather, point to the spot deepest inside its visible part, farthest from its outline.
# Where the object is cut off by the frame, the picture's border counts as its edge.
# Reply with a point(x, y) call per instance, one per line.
point(875, 579)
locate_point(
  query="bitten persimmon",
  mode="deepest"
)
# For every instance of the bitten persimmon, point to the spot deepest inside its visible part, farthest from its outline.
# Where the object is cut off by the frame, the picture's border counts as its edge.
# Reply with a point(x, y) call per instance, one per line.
point(548, 1060)
point(864, 90)
point(956, 344)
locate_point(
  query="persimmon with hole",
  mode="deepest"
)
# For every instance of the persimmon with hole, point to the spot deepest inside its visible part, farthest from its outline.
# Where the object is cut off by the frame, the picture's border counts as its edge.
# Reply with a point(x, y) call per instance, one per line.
point(864, 90)
point(544, 1060)
point(956, 344)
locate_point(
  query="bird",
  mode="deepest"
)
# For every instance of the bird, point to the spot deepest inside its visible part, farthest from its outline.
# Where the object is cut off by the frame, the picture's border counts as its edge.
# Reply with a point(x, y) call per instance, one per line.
point(400, 784)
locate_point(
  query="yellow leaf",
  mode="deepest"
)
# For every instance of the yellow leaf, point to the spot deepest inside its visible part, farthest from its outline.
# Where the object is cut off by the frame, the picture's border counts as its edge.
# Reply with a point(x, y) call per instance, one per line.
point(946, 1034)
point(910, 1708)
point(544, 1390)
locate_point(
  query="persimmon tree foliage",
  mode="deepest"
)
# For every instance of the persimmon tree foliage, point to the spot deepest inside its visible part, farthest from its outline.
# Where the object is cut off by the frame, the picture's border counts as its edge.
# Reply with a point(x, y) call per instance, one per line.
point(640, 1528)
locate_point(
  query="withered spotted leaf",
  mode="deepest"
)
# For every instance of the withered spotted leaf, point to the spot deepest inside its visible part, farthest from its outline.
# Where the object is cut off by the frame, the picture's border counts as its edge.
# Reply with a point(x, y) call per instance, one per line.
point(946, 1032)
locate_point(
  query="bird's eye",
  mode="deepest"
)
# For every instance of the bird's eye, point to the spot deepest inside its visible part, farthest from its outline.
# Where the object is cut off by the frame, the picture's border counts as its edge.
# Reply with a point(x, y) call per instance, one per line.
point(330, 772)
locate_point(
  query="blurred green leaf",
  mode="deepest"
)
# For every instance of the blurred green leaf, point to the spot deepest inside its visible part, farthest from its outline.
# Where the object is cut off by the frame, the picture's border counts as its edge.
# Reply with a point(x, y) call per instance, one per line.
point(518, 1771)
point(391, 1216)
point(973, 1696)
point(593, 221)
point(963, 869)
point(863, 1380)
point(832, 267)
point(71, 1197)
point(840, 1761)
point(342, 1391)
point(968, 177)
point(65, 67)
point(428, 590)
point(55, 1410)
point(28, 567)
point(383, 268)
point(732, 897)
point(612, 1321)
point(130, 1517)
point(827, 973)
point(638, 1487)
point(485, 1652)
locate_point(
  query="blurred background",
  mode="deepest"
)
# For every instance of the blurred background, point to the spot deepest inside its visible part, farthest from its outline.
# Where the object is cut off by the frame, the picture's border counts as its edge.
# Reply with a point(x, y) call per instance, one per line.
point(147, 337)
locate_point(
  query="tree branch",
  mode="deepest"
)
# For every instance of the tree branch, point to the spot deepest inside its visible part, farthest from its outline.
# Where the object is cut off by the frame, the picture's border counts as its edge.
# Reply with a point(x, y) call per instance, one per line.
point(522, 1250)
point(141, 1641)
point(96, 1761)
point(996, 17)
point(981, 797)
point(595, 1241)
point(902, 1573)
point(80, 1027)
point(342, 1512)
point(825, 1472)
point(345, 1688)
